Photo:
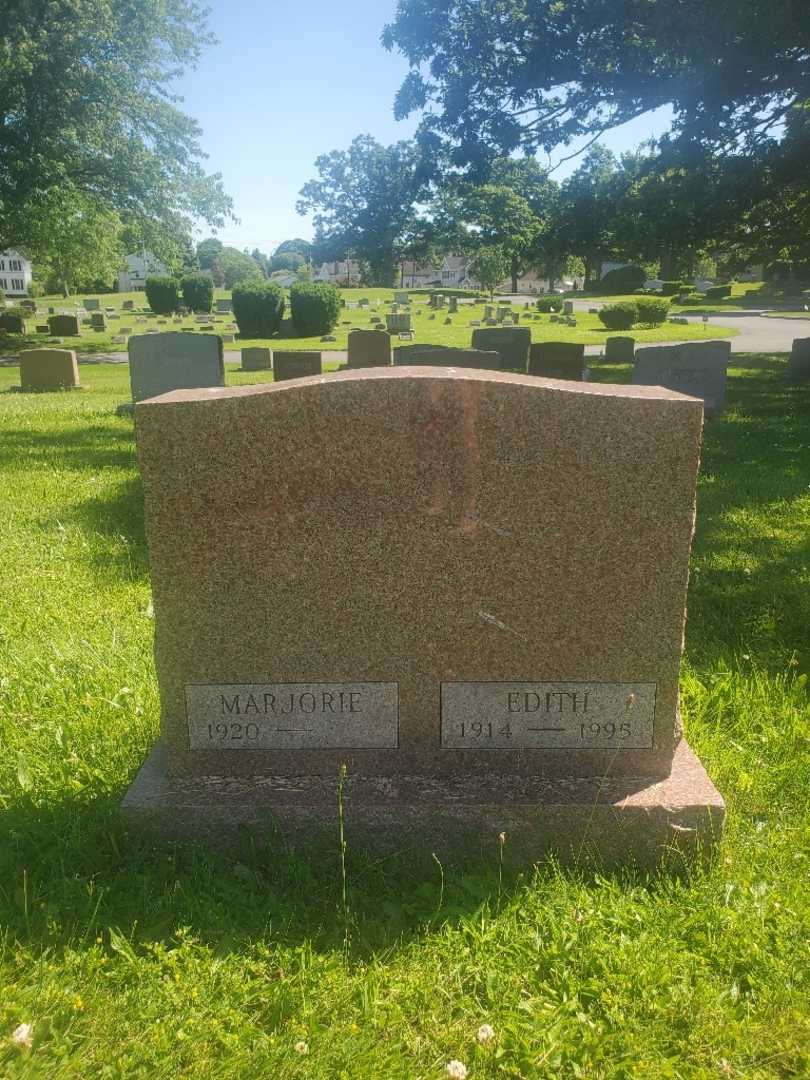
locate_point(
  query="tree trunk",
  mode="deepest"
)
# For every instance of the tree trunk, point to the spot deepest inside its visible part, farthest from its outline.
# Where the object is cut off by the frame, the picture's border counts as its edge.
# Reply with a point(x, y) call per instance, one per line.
point(514, 274)
point(667, 265)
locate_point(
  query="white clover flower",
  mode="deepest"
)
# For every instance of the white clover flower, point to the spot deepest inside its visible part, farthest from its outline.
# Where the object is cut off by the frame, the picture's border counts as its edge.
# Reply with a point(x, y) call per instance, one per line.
point(486, 1033)
point(301, 1047)
point(23, 1036)
point(456, 1069)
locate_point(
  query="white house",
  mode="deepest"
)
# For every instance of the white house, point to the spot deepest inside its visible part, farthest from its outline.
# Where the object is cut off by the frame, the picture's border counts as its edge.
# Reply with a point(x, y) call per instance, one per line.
point(339, 273)
point(15, 273)
point(414, 275)
point(138, 268)
point(455, 273)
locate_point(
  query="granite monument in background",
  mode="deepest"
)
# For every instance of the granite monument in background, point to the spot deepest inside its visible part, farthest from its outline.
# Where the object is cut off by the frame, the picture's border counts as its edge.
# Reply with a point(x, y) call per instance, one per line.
point(697, 368)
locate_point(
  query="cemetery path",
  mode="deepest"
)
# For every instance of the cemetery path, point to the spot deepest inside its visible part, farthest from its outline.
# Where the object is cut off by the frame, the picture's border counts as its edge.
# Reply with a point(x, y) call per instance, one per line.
point(760, 334)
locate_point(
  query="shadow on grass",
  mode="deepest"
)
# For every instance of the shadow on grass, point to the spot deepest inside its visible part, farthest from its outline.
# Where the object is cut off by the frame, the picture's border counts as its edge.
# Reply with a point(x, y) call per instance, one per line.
point(71, 872)
point(752, 547)
point(115, 515)
point(86, 447)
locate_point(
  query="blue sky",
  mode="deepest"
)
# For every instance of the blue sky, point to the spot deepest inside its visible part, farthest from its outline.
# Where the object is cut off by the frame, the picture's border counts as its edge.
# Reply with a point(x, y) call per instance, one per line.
point(288, 82)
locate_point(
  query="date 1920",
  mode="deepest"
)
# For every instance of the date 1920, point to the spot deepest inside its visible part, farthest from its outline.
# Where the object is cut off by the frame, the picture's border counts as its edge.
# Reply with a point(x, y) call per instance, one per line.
point(233, 732)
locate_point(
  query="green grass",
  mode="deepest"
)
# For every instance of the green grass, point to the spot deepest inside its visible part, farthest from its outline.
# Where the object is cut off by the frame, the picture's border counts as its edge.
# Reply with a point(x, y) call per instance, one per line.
point(589, 330)
point(135, 960)
point(788, 314)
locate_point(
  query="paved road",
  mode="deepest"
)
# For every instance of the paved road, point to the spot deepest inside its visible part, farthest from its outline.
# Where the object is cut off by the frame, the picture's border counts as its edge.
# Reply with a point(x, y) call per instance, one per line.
point(757, 333)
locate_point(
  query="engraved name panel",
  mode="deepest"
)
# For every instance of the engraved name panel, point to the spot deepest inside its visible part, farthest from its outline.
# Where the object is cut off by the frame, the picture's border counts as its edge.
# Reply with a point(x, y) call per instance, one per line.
point(547, 716)
point(293, 716)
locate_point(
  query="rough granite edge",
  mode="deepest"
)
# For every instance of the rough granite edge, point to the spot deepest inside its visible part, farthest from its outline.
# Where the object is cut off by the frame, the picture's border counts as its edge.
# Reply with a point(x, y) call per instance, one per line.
point(609, 820)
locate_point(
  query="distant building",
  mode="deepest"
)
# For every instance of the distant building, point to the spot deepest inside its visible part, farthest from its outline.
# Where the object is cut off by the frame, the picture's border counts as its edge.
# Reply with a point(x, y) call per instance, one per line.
point(414, 275)
point(339, 273)
point(15, 273)
point(456, 273)
point(138, 268)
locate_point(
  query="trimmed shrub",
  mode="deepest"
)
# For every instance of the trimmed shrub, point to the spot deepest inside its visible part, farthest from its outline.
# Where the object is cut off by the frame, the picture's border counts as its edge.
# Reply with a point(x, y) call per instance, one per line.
point(198, 292)
point(652, 311)
point(619, 316)
point(36, 289)
point(624, 279)
point(258, 307)
point(693, 300)
point(550, 305)
point(162, 294)
point(314, 306)
point(687, 289)
point(718, 292)
point(671, 288)
point(12, 321)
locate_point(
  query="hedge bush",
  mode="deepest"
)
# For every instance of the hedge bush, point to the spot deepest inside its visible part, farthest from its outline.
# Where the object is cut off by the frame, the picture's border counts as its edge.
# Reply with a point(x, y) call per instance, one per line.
point(718, 292)
point(652, 311)
point(314, 306)
point(624, 279)
point(198, 292)
point(162, 294)
point(549, 304)
point(671, 288)
point(619, 316)
point(258, 307)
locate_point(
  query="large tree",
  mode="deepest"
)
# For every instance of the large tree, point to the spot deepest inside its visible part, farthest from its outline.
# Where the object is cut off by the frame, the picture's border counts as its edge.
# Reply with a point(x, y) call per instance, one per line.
point(86, 106)
point(490, 216)
point(364, 202)
point(79, 244)
point(498, 75)
point(231, 266)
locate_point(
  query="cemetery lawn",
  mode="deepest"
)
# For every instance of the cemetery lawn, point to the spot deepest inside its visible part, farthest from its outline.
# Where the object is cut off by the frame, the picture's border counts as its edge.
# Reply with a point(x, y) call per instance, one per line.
point(589, 329)
point(131, 959)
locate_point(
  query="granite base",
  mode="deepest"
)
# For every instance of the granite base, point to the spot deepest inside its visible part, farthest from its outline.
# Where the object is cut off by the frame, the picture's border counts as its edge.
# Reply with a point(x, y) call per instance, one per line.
point(602, 821)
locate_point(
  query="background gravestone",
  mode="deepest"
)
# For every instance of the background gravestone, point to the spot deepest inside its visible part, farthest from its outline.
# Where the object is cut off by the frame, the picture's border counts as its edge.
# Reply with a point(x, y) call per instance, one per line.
point(92, 305)
point(369, 348)
point(697, 368)
point(48, 369)
point(557, 360)
point(446, 356)
point(296, 364)
point(12, 323)
point(161, 362)
point(224, 306)
point(799, 362)
point(620, 350)
point(336, 589)
point(64, 325)
point(257, 359)
point(398, 323)
point(98, 321)
point(512, 343)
